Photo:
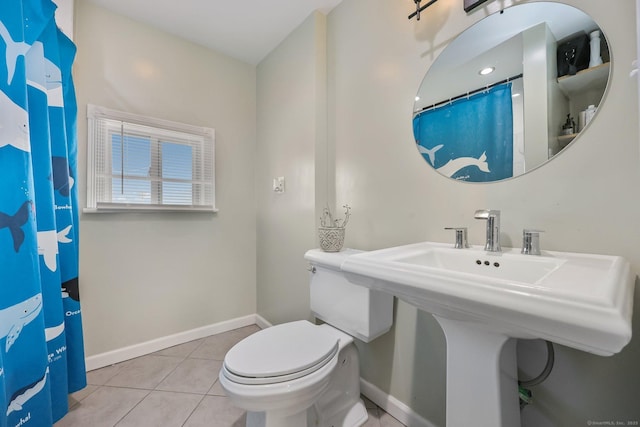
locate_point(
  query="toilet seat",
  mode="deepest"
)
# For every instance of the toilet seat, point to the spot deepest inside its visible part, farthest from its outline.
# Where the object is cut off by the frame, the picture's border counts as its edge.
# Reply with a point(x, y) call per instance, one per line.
point(280, 353)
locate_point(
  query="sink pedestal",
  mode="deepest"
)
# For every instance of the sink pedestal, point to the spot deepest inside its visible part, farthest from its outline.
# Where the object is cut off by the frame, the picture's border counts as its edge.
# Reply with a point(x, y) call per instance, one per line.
point(482, 383)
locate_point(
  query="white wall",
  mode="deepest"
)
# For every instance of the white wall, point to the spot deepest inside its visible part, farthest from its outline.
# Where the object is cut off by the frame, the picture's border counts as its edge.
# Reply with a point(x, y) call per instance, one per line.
point(585, 199)
point(291, 108)
point(144, 276)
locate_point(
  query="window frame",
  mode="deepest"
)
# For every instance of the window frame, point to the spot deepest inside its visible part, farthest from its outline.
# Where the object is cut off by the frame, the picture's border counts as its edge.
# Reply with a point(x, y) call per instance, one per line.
point(201, 140)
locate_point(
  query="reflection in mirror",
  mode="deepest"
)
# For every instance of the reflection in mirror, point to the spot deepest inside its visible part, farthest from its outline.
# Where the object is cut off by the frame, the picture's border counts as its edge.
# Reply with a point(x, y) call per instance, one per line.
point(511, 92)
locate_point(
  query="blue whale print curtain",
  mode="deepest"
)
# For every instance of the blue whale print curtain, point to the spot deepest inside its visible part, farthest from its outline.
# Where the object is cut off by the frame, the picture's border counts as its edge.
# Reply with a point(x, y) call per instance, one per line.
point(470, 139)
point(41, 345)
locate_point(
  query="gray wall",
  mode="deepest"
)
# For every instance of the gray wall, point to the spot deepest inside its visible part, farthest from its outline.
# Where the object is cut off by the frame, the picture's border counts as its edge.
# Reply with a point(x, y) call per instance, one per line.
point(145, 276)
point(292, 142)
point(585, 199)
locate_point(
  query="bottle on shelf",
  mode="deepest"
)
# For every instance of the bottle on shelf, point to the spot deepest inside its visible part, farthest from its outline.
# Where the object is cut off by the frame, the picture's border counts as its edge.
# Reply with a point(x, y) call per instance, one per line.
point(594, 44)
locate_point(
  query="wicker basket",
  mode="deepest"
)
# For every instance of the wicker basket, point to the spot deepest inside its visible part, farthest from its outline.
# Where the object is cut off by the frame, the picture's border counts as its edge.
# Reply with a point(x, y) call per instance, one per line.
point(331, 238)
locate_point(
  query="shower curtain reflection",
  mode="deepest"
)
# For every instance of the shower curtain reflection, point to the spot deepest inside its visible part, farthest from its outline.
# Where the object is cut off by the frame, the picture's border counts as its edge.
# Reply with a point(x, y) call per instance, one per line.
point(470, 139)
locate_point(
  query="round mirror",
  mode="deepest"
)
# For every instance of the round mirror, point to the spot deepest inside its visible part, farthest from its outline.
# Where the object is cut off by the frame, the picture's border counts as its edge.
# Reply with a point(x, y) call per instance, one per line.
point(511, 92)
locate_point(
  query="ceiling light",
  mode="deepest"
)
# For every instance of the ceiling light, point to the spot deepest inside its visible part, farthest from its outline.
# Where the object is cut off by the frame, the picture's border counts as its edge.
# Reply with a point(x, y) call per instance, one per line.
point(486, 71)
point(417, 98)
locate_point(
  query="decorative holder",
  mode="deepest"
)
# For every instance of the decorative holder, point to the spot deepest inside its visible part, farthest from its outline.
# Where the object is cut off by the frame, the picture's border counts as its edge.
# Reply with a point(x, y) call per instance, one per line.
point(331, 232)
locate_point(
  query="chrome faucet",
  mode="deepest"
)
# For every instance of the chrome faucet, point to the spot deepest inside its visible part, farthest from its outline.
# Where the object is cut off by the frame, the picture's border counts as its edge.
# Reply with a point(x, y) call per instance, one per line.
point(493, 228)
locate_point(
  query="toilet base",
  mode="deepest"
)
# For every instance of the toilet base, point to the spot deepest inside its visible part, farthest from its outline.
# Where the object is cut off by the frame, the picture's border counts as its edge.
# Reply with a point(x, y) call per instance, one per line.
point(355, 416)
point(260, 419)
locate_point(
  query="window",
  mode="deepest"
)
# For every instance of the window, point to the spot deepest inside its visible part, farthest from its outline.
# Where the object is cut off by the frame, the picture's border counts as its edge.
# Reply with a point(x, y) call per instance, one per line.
point(142, 163)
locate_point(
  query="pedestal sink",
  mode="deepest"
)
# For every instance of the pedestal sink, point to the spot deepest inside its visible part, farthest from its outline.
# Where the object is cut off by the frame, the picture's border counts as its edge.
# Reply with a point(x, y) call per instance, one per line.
point(483, 299)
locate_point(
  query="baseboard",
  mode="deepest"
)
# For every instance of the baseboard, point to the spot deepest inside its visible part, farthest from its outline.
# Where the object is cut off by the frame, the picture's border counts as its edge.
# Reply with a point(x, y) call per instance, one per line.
point(262, 322)
point(144, 348)
point(393, 406)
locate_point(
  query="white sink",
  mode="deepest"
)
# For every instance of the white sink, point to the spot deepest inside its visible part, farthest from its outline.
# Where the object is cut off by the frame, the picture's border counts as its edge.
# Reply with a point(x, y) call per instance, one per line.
point(482, 300)
point(579, 300)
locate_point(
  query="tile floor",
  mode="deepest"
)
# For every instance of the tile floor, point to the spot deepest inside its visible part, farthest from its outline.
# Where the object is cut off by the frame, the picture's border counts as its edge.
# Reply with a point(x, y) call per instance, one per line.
point(173, 387)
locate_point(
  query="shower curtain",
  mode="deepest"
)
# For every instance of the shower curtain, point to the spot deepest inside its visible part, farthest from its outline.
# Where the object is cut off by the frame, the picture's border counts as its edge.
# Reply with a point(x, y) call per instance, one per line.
point(470, 139)
point(41, 344)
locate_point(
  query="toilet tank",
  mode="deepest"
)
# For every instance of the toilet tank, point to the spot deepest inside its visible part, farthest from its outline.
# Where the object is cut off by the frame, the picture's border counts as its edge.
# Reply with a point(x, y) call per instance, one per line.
point(361, 312)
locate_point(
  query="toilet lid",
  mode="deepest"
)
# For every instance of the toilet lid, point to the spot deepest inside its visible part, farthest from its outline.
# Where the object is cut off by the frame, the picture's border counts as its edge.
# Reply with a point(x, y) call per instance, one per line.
point(280, 353)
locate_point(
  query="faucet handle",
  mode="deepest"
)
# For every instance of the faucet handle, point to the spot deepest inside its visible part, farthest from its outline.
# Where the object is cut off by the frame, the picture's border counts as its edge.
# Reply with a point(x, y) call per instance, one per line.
point(486, 213)
point(531, 241)
point(461, 237)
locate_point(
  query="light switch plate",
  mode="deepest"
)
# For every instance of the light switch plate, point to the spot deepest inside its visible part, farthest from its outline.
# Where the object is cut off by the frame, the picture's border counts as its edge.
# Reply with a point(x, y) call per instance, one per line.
point(278, 184)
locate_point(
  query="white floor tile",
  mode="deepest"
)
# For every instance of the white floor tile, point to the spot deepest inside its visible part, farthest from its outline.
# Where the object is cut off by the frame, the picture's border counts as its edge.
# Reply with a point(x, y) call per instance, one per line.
point(144, 372)
point(102, 375)
point(217, 390)
point(216, 346)
point(192, 376)
point(216, 411)
point(162, 408)
point(182, 350)
point(78, 396)
point(103, 408)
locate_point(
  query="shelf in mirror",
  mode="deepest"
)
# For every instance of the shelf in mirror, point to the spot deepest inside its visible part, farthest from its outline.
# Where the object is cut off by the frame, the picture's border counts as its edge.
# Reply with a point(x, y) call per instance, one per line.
point(563, 142)
point(590, 78)
point(566, 139)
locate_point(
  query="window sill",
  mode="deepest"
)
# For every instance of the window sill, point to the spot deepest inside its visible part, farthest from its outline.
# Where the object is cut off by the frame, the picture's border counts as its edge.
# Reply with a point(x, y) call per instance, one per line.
point(149, 209)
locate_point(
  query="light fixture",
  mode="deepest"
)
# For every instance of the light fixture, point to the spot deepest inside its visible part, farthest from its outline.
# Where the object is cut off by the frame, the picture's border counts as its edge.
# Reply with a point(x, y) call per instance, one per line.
point(468, 6)
point(420, 8)
point(515, 95)
point(417, 98)
point(486, 71)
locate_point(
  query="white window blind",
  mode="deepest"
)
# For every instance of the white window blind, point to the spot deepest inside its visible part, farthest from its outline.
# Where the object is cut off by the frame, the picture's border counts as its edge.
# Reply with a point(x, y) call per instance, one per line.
point(143, 163)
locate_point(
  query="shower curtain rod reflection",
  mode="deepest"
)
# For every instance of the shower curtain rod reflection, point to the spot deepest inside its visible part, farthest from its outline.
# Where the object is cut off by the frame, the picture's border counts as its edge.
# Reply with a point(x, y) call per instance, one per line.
point(468, 94)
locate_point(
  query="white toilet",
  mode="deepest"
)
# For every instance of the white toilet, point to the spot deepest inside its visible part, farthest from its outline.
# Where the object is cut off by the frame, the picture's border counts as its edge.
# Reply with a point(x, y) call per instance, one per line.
point(299, 374)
